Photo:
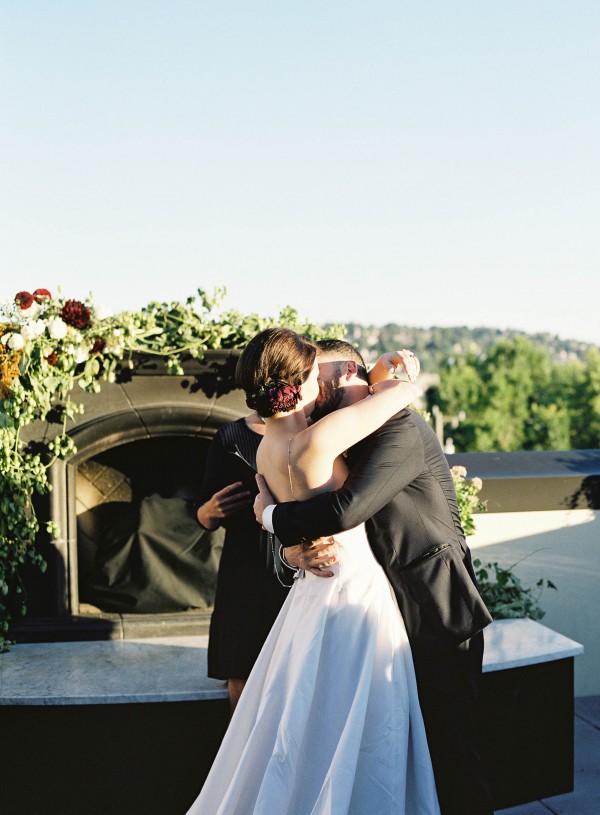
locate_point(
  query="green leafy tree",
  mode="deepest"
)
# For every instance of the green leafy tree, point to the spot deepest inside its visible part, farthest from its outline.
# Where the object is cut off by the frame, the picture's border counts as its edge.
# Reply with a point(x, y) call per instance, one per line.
point(584, 395)
point(508, 399)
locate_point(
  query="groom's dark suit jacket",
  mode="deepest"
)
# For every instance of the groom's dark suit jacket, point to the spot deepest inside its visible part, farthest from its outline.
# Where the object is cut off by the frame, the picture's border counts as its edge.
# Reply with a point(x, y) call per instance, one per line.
point(401, 485)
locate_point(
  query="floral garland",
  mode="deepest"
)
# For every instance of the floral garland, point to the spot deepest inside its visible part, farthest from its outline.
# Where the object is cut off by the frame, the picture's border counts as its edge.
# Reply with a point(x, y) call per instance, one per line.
point(47, 345)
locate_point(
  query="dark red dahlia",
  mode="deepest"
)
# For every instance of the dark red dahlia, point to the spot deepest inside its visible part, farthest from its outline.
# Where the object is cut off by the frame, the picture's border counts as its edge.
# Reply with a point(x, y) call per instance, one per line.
point(275, 397)
point(98, 346)
point(42, 295)
point(283, 397)
point(24, 299)
point(52, 359)
point(76, 313)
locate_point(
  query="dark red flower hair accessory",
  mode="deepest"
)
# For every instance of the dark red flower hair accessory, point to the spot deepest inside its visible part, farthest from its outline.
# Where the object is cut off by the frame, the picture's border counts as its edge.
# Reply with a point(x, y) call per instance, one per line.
point(274, 397)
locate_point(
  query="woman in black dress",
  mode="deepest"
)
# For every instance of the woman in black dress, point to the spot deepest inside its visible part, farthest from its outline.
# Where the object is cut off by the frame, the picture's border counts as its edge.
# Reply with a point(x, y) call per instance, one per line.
point(249, 594)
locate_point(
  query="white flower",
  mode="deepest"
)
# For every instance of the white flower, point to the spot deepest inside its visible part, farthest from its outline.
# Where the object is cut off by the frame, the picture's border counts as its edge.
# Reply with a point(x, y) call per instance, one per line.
point(57, 328)
point(5, 338)
point(28, 331)
point(80, 354)
point(32, 329)
point(114, 346)
point(16, 342)
point(101, 312)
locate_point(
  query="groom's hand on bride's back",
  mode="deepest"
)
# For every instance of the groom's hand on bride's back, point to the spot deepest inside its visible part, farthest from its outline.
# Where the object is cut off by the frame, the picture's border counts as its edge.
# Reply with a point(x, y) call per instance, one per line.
point(313, 557)
point(316, 557)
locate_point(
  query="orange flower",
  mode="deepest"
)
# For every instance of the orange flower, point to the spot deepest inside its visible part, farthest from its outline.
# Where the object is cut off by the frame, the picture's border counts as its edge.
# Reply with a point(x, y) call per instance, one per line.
point(9, 371)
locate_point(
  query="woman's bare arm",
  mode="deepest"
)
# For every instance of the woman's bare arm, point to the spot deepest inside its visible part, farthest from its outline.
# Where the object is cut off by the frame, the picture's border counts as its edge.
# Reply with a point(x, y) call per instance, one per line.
point(343, 428)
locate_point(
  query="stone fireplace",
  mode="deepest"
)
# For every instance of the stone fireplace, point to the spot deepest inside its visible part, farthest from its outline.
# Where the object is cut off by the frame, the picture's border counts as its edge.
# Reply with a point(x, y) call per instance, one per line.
point(131, 559)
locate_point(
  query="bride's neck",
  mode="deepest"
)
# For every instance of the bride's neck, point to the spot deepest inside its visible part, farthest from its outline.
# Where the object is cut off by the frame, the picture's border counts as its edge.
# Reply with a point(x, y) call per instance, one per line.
point(286, 423)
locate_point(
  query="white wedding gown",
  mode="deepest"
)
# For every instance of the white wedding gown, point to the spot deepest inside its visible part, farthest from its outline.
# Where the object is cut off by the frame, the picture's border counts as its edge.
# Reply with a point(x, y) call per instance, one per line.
point(329, 721)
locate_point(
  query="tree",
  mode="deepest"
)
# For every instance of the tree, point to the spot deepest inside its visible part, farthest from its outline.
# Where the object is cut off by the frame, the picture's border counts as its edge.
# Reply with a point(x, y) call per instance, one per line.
point(510, 399)
point(584, 394)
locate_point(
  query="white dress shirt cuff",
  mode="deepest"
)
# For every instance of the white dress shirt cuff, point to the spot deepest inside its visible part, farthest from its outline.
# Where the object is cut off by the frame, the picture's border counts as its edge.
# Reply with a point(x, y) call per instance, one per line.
point(267, 518)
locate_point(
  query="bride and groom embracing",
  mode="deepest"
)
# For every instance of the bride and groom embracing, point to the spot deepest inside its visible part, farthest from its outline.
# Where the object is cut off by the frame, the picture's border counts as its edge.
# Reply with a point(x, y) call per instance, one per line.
point(339, 716)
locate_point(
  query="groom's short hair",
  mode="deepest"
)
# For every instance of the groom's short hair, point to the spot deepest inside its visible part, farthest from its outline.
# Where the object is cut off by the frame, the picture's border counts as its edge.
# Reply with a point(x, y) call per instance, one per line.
point(341, 351)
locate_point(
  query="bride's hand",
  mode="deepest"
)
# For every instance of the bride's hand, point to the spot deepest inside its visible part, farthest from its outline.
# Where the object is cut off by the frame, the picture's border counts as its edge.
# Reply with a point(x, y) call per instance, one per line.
point(388, 364)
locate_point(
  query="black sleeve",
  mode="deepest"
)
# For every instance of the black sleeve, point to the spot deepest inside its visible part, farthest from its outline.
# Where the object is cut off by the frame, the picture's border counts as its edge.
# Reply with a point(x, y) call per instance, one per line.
point(217, 471)
point(391, 458)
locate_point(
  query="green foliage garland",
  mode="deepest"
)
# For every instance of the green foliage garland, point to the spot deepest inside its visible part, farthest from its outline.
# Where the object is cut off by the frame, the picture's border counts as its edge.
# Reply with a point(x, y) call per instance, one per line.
point(47, 346)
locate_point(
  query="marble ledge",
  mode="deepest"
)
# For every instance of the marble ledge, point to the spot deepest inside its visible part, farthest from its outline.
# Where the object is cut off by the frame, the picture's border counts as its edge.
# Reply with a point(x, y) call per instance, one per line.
point(165, 669)
point(520, 642)
point(173, 669)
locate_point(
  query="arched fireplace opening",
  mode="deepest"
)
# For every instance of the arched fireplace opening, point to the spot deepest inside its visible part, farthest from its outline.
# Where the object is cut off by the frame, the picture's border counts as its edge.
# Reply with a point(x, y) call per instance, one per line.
point(131, 559)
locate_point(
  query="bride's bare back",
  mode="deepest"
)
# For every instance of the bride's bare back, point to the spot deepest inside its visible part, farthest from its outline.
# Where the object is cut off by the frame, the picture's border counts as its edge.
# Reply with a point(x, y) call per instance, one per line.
point(299, 462)
point(294, 470)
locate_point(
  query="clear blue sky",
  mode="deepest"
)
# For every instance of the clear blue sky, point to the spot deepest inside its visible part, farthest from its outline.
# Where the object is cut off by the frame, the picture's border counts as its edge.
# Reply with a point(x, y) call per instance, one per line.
point(424, 162)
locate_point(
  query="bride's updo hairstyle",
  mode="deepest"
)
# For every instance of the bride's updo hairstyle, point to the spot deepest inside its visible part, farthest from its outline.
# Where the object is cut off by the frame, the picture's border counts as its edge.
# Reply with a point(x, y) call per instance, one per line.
point(272, 368)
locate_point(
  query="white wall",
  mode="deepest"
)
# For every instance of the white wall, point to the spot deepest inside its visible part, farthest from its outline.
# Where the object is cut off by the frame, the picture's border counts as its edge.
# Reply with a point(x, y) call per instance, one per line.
point(569, 541)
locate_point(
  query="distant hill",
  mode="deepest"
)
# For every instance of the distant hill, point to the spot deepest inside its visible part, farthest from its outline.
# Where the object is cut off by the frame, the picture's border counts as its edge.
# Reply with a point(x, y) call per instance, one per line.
point(436, 344)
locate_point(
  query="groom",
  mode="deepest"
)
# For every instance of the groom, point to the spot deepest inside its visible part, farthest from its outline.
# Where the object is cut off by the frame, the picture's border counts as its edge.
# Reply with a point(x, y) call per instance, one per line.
point(401, 486)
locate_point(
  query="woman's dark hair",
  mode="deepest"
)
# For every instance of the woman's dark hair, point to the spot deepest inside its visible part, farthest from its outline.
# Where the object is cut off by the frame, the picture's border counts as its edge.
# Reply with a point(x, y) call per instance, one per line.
point(274, 358)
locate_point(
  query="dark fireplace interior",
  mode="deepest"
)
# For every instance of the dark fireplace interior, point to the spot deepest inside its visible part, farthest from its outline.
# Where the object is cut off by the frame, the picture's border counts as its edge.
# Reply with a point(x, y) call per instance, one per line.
point(130, 559)
point(140, 549)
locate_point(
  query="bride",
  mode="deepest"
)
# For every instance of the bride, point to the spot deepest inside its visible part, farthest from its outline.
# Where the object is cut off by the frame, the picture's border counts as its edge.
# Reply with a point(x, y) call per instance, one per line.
point(329, 721)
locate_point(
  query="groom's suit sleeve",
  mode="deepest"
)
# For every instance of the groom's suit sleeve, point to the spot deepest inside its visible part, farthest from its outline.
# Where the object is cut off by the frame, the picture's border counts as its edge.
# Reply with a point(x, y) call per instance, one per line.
point(389, 460)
